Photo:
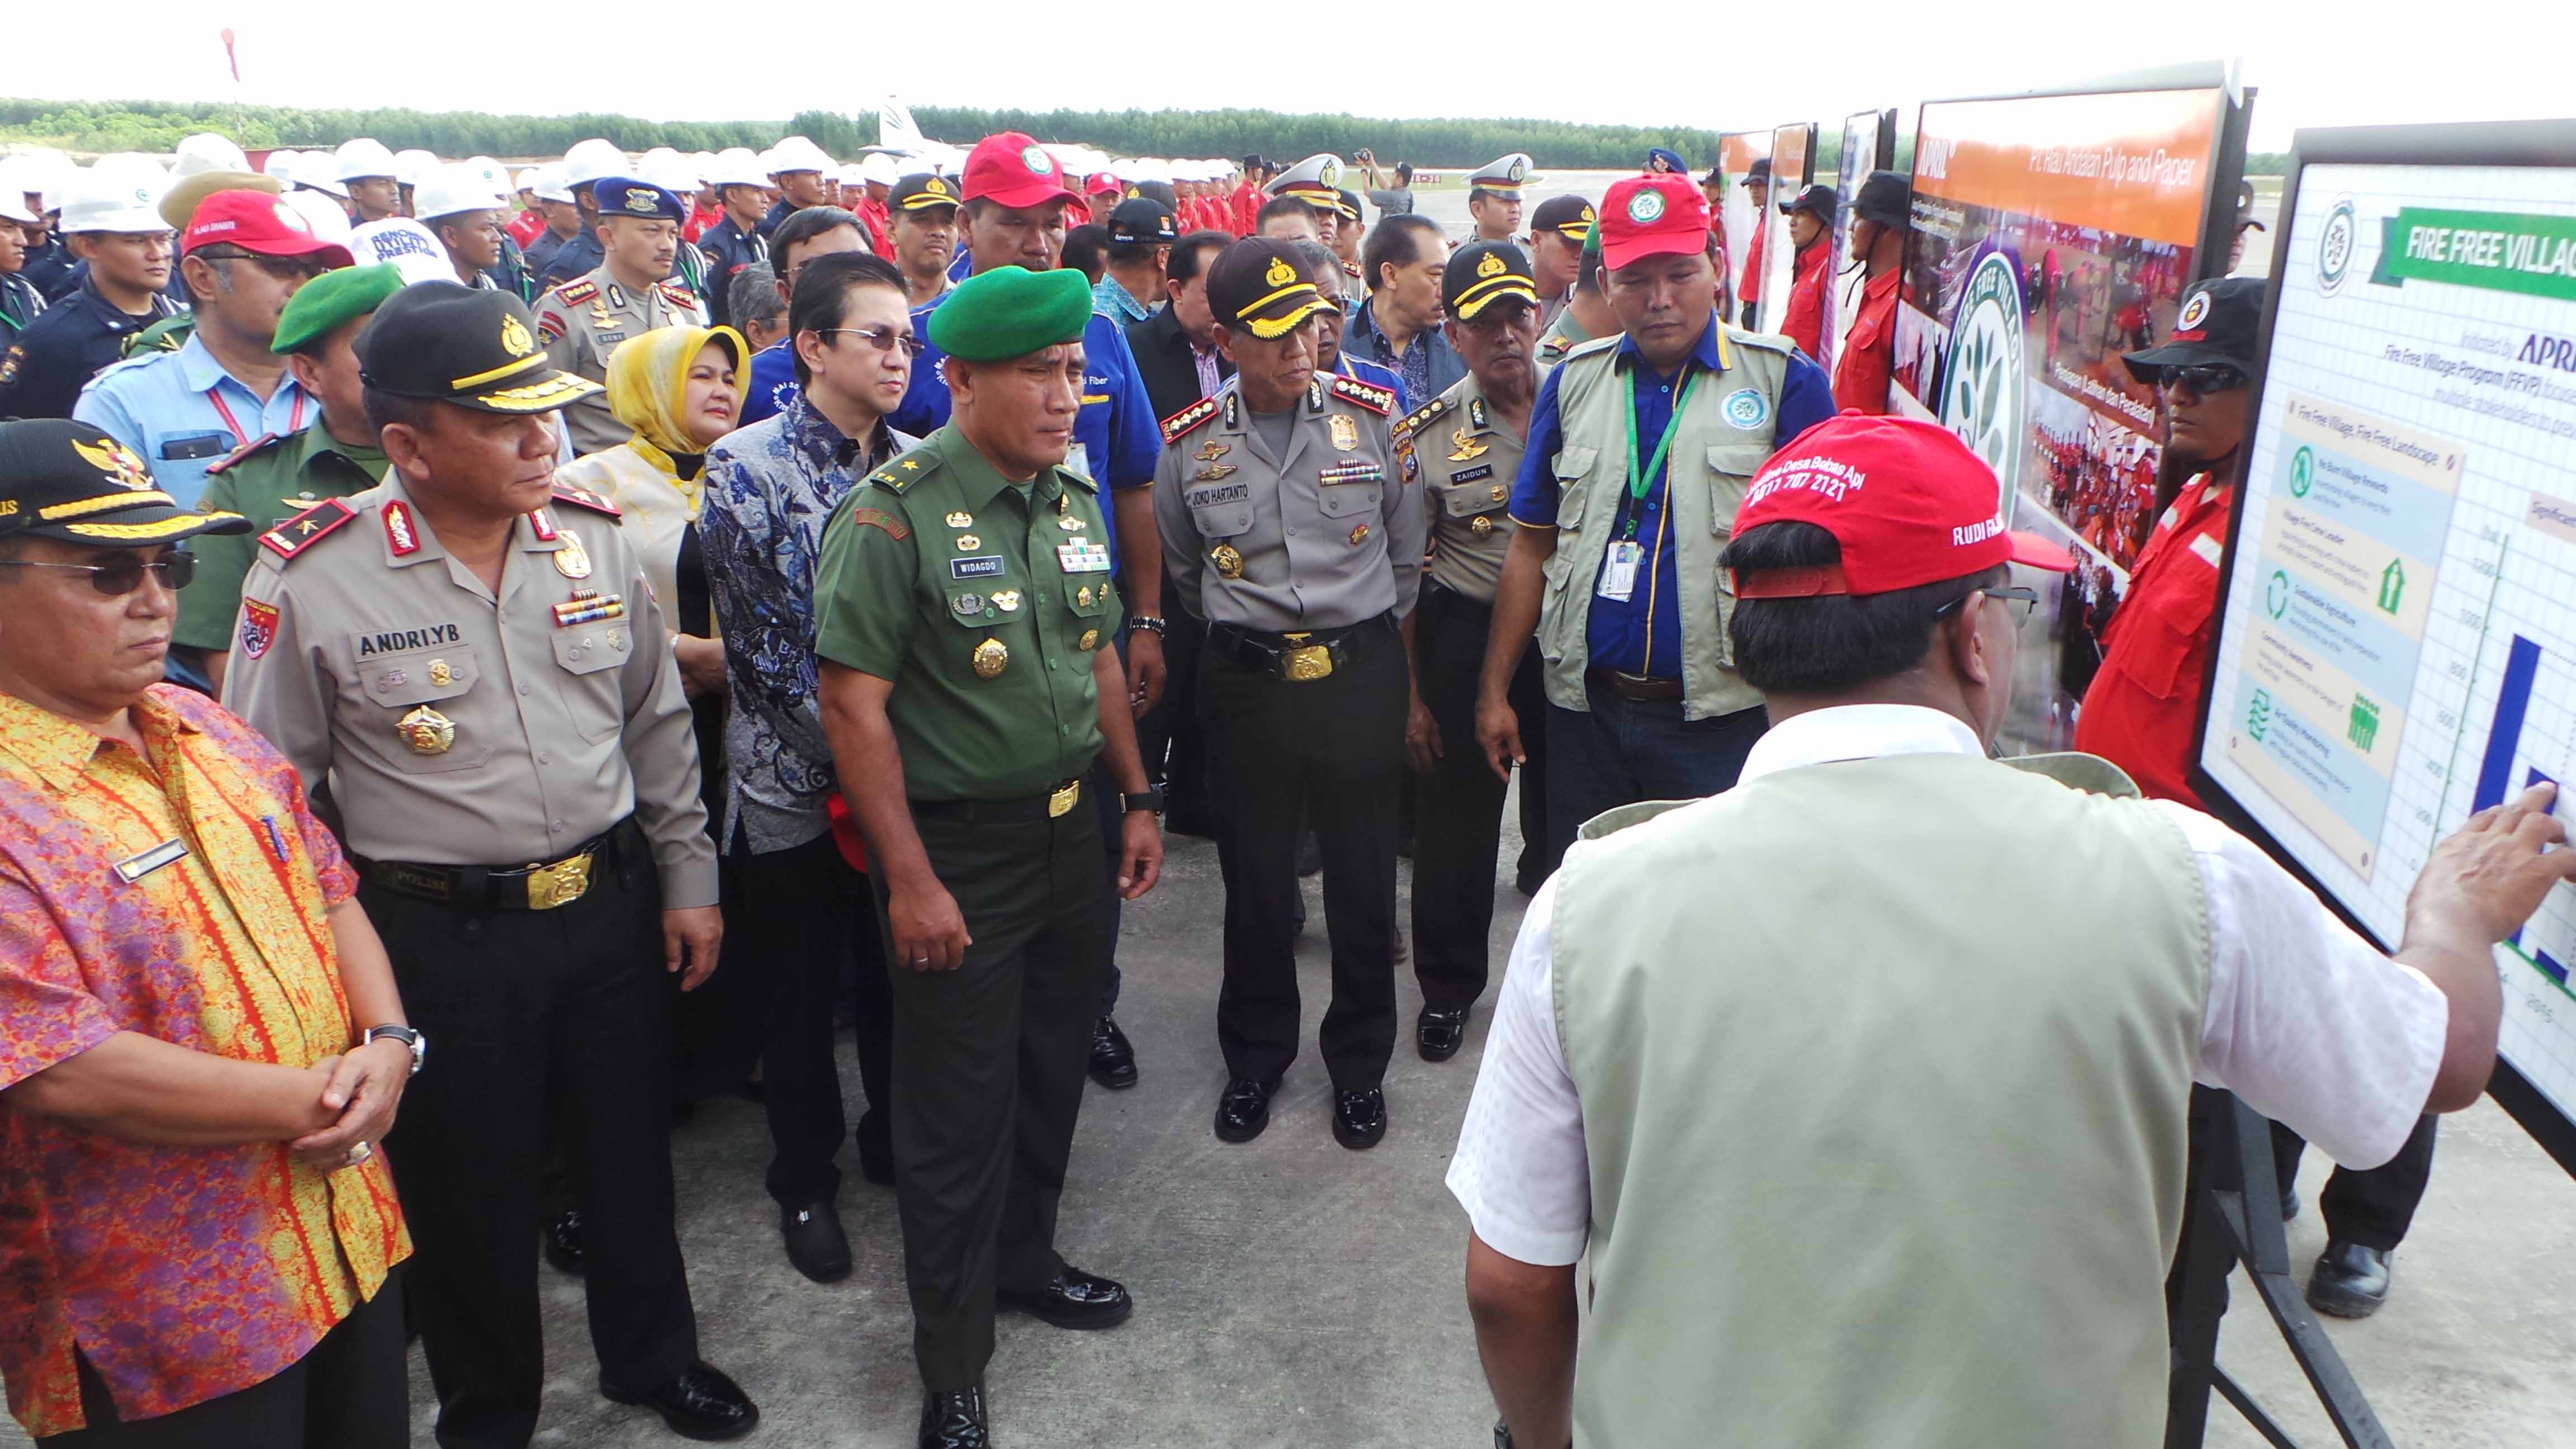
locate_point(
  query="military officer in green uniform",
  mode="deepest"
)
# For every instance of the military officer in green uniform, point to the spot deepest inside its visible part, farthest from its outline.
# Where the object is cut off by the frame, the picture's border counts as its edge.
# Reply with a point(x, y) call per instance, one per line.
point(274, 477)
point(969, 681)
point(584, 321)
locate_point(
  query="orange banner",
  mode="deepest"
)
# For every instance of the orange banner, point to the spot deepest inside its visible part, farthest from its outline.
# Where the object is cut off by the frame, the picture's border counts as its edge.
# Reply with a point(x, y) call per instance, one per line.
point(1737, 151)
point(2135, 164)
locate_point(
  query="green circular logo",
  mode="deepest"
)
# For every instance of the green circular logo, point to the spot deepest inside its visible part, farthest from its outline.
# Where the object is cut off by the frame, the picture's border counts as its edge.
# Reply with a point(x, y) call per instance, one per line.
point(2276, 594)
point(2303, 472)
point(1035, 158)
point(1645, 207)
point(1985, 396)
point(2335, 246)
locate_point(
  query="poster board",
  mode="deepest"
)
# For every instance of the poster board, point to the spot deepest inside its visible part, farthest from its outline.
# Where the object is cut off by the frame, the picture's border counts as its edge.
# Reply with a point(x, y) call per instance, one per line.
point(1869, 144)
point(2396, 641)
point(1793, 162)
point(2052, 233)
point(1736, 153)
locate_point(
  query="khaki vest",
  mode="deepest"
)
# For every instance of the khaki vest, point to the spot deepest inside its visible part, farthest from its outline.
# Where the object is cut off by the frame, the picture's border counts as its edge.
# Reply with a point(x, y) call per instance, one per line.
point(1886, 1117)
point(1711, 459)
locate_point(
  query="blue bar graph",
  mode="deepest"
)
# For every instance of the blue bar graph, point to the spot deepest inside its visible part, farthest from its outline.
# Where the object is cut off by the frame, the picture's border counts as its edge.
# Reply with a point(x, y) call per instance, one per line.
point(2495, 771)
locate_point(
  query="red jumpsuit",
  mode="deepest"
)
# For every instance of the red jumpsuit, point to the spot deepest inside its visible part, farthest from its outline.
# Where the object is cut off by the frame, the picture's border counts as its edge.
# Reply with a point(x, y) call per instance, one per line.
point(1868, 361)
point(2145, 700)
point(1804, 322)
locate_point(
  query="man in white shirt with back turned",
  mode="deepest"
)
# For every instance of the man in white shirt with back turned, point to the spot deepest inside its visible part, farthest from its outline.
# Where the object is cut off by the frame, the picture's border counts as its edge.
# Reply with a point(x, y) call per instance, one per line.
point(1861, 1156)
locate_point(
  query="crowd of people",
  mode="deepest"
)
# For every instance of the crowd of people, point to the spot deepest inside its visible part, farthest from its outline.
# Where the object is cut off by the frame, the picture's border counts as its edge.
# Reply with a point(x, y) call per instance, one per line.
point(820, 589)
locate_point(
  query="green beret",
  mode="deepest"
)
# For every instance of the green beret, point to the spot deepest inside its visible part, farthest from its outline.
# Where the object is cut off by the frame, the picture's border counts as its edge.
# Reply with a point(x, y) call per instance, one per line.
point(1011, 312)
point(340, 295)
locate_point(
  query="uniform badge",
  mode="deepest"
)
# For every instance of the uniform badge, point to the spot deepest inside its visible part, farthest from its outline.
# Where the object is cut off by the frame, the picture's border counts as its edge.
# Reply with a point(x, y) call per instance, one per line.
point(1211, 450)
point(1359, 533)
point(1346, 433)
point(1501, 492)
point(258, 627)
point(967, 605)
point(1082, 597)
point(1352, 470)
point(1480, 525)
point(1747, 408)
point(427, 731)
point(990, 659)
point(1007, 600)
point(1090, 637)
point(1412, 466)
point(981, 566)
point(441, 673)
point(1229, 564)
point(1476, 474)
point(961, 520)
point(1071, 524)
point(400, 536)
point(1210, 472)
point(1080, 557)
point(968, 543)
point(571, 560)
point(1464, 448)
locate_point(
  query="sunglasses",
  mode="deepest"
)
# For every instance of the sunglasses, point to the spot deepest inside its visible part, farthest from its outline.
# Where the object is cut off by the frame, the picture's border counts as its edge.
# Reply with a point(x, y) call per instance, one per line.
point(124, 576)
point(2026, 599)
point(2206, 378)
point(883, 339)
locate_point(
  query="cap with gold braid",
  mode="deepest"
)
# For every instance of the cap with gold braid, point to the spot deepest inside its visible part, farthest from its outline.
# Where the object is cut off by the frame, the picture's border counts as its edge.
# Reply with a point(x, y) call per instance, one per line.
point(921, 190)
point(70, 480)
point(475, 349)
point(1258, 286)
point(1317, 181)
point(1484, 272)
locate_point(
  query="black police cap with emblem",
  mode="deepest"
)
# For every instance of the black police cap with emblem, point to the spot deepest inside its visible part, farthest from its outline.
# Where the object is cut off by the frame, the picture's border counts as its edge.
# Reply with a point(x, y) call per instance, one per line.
point(642, 200)
point(1259, 286)
point(1483, 273)
point(2218, 323)
point(475, 349)
point(1142, 221)
point(69, 480)
point(922, 190)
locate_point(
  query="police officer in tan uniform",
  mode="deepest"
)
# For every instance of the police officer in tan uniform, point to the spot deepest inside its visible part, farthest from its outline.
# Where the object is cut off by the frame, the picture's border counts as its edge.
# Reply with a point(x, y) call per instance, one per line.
point(1287, 526)
point(1464, 449)
point(467, 658)
point(584, 321)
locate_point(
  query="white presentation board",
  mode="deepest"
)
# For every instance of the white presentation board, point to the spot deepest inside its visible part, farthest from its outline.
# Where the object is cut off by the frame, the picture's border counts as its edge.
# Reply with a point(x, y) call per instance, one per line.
point(2397, 641)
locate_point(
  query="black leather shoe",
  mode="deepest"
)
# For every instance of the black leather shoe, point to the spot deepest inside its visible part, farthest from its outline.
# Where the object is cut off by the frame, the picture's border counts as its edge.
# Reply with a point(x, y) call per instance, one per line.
point(563, 1242)
point(1244, 1110)
point(1359, 1118)
point(875, 1137)
point(2350, 1281)
point(954, 1419)
point(1075, 1299)
point(2289, 1204)
point(700, 1404)
point(815, 1242)
point(1113, 1057)
point(1440, 1032)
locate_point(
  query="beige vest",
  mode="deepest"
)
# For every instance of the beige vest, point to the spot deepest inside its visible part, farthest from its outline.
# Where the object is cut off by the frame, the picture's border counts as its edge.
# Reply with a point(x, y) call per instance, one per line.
point(1884, 1068)
point(1721, 441)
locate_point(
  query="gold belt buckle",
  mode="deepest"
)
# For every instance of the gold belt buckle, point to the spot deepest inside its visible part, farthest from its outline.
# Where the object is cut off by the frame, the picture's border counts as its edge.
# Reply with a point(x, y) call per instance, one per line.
point(558, 884)
point(1312, 661)
point(1062, 801)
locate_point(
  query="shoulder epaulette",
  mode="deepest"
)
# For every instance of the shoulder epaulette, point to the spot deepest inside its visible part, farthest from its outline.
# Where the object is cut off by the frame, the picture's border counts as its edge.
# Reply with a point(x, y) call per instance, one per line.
point(1181, 424)
point(905, 469)
point(584, 498)
point(1350, 269)
point(1378, 400)
point(290, 539)
point(679, 296)
point(1414, 420)
point(237, 454)
point(576, 291)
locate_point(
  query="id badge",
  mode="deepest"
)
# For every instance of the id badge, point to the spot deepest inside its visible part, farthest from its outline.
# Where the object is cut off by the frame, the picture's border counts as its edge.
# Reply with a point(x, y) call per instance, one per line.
point(1619, 570)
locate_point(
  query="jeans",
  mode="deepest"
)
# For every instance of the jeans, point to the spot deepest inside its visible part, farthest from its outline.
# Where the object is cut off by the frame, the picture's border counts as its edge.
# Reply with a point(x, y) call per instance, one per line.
point(1622, 751)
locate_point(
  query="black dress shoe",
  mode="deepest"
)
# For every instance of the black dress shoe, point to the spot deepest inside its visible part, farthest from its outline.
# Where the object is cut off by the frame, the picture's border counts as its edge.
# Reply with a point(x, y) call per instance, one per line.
point(2289, 1204)
point(2350, 1281)
point(700, 1404)
point(1359, 1118)
point(563, 1242)
point(954, 1419)
point(1075, 1299)
point(1113, 1057)
point(1244, 1110)
point(1440, 1032)
point(875, 1137)
point(815, 1242)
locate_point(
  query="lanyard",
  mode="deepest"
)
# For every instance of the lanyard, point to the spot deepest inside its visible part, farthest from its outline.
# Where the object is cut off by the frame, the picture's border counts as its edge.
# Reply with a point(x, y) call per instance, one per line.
point(1636, 476)
point(294, 418)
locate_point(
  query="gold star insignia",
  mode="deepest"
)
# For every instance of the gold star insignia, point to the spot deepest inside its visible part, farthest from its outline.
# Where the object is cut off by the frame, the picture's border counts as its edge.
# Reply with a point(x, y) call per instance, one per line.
point(909, 464)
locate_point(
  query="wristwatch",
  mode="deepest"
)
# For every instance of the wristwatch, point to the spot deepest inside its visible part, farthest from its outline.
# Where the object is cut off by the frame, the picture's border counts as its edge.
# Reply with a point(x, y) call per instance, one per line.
point(1148, 799)
point(419, 1044)
point(1154, 623)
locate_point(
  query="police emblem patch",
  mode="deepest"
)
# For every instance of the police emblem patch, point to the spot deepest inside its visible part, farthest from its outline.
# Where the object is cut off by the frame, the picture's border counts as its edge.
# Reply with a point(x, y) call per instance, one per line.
point(1519, 171)
point(258, 627)
point(1492, 265)
point(2194, 312)
point(515, 339)
point(1747, 408)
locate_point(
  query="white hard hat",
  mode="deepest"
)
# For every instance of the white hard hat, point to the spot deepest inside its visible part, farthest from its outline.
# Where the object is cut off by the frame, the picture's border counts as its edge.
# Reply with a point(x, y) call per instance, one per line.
point(364, 156)
point(491, 171)
point(796, 153)
point(48, 172)
point(451, 189)
point(737, 166)
point(524, 179)
point(323, 213)
point(705, 161)
point(15, 182)
point(413, 166)
point(120, 193)
point(590, 160)
point(206, 151)
point(407, 244)
point(550, 184)
point(671, 171)
point(881, 169)
point(280, 165)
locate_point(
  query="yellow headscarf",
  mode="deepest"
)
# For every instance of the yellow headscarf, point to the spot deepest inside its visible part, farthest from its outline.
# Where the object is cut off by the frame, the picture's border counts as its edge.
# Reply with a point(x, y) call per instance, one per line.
point(648, 380)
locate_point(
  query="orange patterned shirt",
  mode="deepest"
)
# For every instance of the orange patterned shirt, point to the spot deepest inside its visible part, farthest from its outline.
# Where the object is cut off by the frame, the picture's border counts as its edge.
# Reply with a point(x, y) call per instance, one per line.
point(181, 1273)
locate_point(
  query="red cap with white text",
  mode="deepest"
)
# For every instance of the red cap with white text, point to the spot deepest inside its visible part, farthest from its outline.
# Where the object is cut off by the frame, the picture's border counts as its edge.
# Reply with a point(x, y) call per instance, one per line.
point(1651, 216)
point(1014, 170)
point(259, 223)
point(1907, 500)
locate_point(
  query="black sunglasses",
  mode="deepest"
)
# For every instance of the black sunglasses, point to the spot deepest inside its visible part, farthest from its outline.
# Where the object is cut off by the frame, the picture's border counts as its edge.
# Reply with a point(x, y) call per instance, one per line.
point(883, 339)
point(2207, 377)
point(2028, 599)
point(126, 574)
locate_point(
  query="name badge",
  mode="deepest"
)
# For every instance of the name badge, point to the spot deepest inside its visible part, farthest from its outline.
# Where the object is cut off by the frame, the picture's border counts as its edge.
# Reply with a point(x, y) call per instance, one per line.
point(1082, 558)
point(1619, 570)
point(981, 566)
point(135, 867)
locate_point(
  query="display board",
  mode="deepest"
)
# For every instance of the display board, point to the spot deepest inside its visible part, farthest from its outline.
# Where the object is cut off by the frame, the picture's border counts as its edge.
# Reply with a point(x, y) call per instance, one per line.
point(1793, 162)
point(1869, 143)
point(1736, 153)
point(2397, 638)
point(2052, 234)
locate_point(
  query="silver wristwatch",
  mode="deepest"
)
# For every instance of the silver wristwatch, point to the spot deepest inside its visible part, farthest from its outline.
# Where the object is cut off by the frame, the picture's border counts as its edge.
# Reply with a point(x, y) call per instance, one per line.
point(419, 1044)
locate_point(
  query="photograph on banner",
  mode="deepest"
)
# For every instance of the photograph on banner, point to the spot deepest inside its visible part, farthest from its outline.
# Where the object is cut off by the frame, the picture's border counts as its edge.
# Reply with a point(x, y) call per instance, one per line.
point(1862, 153)
point(1793, 150)
point(2053, 234)
point(1735, 216)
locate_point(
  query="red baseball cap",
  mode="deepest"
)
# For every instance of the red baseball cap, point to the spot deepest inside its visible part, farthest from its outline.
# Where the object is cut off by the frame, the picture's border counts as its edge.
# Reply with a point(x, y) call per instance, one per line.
point(1104, 183)
point(1907, 500)
point(259, 223)
point(1662, 215)
point(1015, 171)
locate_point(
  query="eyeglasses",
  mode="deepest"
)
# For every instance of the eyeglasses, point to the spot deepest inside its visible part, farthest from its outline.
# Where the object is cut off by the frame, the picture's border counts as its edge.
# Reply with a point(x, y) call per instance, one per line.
point(2028, 599)
point(124, 576)
point(2207, 377)
point(883, 339)
point(284, 269)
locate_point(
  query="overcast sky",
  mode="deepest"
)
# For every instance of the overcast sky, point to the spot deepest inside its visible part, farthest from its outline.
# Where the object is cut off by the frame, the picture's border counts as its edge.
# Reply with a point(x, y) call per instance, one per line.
point(2316, 63)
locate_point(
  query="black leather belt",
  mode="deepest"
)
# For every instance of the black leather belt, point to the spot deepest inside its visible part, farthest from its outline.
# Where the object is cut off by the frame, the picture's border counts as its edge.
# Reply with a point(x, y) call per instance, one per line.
point(1026, 810)
point(1635, 687)
point(1297, 657)
point(541, 886)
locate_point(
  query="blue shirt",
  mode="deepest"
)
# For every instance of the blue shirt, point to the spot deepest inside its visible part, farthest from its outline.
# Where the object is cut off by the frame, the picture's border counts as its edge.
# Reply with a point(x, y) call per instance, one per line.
point(182, 413)
point(42, 373)
point(1429, 365)
point(1111, 296)
point(1643, 635)
point(578, 257)
point(773, 384)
